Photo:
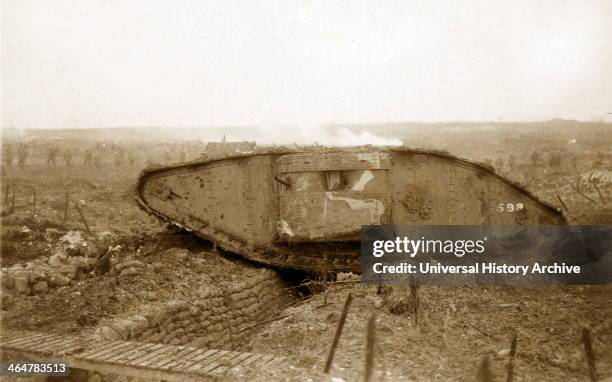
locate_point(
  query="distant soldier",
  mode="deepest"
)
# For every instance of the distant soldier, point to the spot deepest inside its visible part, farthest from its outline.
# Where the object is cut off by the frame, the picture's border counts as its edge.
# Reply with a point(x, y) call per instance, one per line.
point(118, 158)
point(22, 156)
point(52, 157)
point(511, 162)
point(131, 158)
point(8, 155)
point(97, 162)
point(554, 160)
point(599, 160)
point(535, 158)
point(182, 155)
point(67, 156)
point(499, 164)
point(87, 158)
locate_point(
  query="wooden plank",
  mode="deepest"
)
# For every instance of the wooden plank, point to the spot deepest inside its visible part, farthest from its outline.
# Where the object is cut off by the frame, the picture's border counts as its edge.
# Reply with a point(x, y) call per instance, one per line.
point(34, 344)
point(249, 361)
point(177, 358)
point(51, 345)
point(79, 345)
point(134, 346)
point(199, 358)
point(110, 351)
point(192, 358)
point(6, 337)
point(271, 359)
point(169, 356)
point(75, 349)
point(154, 353)
point(220, 362)
point(231, 363)
point(24, 341)
point(144, 350)
point(213, 365)
point(56, 339)
point(98, 347)
point(97, 353)
point(184, 355)
point(129, 358)
point(168, 351)
point(241, 357)
point(69, 343)
point(198, 367)
point(265, 359)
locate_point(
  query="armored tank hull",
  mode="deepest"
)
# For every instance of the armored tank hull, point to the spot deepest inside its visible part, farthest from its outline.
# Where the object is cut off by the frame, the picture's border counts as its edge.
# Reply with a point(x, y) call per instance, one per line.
point(304, 209)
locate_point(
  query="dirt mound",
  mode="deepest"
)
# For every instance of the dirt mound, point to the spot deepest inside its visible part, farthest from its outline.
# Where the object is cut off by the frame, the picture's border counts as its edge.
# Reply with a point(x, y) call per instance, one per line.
point(150, 268)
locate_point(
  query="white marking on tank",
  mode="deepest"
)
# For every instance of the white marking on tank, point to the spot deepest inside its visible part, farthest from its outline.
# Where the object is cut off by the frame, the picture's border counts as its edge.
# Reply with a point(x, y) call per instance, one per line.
point(302, 184)
point(284, 228)
point(375, 207)
point(324, 209)
point(366, 177)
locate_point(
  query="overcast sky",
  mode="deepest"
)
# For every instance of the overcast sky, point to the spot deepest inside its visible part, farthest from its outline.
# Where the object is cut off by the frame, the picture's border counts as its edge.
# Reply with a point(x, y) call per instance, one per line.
point(87, 63)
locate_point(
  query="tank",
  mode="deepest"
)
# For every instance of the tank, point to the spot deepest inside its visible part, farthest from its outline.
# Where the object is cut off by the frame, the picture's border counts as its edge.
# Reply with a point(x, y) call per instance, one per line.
point(304, 208)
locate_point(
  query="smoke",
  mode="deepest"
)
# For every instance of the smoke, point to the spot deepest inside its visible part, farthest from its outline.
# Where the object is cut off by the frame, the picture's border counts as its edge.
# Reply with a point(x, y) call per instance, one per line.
point(325, 136)
point(345, 137)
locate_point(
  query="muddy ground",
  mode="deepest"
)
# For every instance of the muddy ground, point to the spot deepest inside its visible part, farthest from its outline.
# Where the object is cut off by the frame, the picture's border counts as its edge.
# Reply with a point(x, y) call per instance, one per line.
point(446, 338)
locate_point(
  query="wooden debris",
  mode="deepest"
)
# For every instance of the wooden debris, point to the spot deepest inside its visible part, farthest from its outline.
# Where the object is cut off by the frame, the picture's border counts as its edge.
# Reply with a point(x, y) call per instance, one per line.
point(589, 354)
point(332, 351)
point(83, 219)
point(510, 366)
point(484, 373)
point(369, 351)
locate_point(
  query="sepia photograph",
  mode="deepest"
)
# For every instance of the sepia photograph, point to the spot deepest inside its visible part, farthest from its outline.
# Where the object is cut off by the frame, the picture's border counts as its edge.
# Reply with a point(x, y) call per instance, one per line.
point(305, 190)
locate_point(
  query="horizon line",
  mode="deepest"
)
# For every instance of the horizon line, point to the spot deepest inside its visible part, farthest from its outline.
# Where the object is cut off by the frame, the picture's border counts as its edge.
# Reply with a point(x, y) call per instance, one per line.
point(328, 124)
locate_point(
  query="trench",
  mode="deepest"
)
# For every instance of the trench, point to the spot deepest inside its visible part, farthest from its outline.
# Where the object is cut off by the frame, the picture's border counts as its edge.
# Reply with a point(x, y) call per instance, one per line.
point(210, 315)
point(215, 316)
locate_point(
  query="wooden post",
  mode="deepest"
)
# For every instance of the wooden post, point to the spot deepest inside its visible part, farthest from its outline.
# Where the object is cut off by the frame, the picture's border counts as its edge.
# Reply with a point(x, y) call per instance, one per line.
point(369, 351)
point(325, 275)
point(578, 189)
point(66, 205)
point(83, 218)
point(13, 198)
point(603, 200)
point(34, 207)
point(332, 351)
point(510, 367)
point(589, 355)
point(6, 194)
point(563, 204)
point(484, 373)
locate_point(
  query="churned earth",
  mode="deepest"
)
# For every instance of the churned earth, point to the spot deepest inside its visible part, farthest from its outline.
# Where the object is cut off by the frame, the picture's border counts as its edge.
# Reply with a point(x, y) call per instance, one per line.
point(442, 334)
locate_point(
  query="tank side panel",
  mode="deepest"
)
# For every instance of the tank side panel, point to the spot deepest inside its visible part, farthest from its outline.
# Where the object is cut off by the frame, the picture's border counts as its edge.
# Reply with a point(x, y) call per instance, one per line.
point(432, 190)
point(264, 202)
point(231, 196)
point(331, 195)
point(327, 216)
